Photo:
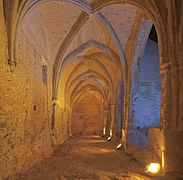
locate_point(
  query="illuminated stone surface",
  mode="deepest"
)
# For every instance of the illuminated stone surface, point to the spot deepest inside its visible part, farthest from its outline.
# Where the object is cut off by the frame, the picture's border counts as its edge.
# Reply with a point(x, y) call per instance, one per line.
point(87, 158)
point(74, 67)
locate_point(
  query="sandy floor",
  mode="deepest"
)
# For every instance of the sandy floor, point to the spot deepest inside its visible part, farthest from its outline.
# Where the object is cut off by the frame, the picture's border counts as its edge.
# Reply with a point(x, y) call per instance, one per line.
point(84, 158)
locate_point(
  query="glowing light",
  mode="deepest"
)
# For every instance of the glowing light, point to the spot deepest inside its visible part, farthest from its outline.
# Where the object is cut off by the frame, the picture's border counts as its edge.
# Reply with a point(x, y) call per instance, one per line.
point(96, 150)
point(109, 138)
point(119, 146)
point(104, 131)
point(153, 168)
point(110, 132)
point(162, 159)
point(123, 133)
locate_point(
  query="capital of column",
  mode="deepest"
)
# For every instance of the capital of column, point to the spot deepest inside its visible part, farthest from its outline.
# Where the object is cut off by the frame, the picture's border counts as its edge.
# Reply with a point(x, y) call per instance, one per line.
point(12, 64)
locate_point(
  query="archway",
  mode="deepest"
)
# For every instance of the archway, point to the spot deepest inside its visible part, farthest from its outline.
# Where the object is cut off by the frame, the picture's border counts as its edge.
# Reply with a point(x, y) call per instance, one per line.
point(85, 92)
point(145, 92)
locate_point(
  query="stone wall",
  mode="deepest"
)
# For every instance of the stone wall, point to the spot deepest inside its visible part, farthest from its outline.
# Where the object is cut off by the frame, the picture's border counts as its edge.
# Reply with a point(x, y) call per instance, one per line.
point(25, 111)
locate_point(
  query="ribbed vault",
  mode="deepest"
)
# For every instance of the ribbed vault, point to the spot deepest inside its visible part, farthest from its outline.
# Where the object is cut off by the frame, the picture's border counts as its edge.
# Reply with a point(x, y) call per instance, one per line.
point(91, 73)
point(83, 67)
point(84, 47)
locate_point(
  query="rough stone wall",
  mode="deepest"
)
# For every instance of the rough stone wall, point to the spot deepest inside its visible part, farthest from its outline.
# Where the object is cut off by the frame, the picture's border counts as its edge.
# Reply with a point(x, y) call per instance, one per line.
point(12, 86)
point(24, 109)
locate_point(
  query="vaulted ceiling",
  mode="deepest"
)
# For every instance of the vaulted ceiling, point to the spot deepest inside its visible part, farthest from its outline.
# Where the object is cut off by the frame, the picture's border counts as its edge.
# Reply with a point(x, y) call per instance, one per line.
point(84, 48)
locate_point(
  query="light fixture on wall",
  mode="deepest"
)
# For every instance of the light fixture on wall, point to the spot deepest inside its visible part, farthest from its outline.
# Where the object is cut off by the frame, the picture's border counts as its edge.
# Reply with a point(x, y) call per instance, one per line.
point(119, 146)
point(153, 168)
point(111, 132)
point(109, 138)
point(162, 159)
point(104, 131)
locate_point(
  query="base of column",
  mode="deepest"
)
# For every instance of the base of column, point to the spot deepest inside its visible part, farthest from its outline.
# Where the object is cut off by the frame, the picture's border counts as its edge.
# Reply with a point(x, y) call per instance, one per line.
point(173, 153)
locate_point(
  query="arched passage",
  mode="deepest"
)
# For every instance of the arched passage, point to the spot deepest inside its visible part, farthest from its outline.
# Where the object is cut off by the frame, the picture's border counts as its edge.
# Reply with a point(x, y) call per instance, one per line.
point(145, 92)
point(36, 78)
point(86, 90)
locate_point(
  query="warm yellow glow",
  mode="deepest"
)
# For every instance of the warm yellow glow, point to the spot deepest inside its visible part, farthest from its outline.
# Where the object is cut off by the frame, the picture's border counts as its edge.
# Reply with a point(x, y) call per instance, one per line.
point(95, 150)
point(109, 138)
point(123, 133)
point(153, 168)
point(57, 102)
point(162, 160)
point(124, 137)
point(119, 145)
point(111, 132)
point(104, 131)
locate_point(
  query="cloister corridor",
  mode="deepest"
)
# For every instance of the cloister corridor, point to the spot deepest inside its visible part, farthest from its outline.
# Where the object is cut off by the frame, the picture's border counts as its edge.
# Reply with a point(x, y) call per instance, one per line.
point(91, 89)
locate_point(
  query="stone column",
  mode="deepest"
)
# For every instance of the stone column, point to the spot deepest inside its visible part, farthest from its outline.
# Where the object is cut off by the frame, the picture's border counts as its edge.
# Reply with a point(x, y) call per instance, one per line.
point(103, 120)
point(70, 123)
point(126, 112)
point(108, 121)
point(118, 120)
point(171, 118)
point(112, 124)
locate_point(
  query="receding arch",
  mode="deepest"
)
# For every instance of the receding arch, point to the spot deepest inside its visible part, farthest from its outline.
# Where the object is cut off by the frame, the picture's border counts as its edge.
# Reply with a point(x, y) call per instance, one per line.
point(98, 63)
point(88, 74)
point(78, 96)
point(89, 44)
point(89, 85)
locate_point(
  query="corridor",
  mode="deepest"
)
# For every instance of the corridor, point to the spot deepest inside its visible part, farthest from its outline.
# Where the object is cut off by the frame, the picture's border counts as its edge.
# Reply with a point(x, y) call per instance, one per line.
point(87, 157)
point(74, 73)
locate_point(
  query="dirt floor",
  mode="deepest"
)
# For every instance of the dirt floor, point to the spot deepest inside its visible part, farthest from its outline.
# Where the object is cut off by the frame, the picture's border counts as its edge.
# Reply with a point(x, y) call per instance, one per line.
point(87, 158)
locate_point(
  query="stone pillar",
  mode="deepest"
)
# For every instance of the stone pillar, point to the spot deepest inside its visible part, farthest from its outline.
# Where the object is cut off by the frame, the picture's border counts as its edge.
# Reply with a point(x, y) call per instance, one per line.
point(108, 121)
point(117, 122)
point(126, 112)
point(65, 123)
point(171, 118)
point(105, 122)
point(112, 125)
point(70, 123)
